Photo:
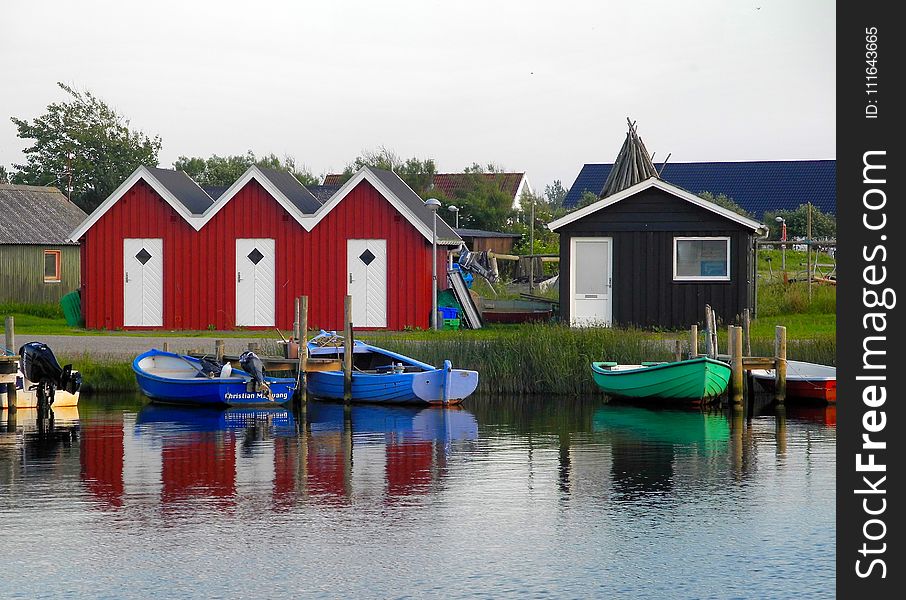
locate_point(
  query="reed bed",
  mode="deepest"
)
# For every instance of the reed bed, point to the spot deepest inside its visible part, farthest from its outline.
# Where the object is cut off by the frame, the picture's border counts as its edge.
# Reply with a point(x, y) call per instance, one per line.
point(102, 376)
point(537, 359)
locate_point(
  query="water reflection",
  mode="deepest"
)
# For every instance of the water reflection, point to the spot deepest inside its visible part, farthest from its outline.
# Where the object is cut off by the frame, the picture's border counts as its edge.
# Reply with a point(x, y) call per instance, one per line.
point(567, 494)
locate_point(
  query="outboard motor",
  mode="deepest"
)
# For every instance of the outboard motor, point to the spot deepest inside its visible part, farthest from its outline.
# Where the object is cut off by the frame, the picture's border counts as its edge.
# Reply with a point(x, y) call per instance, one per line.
point(39, 365)
point(210, 368)
point(252, 365)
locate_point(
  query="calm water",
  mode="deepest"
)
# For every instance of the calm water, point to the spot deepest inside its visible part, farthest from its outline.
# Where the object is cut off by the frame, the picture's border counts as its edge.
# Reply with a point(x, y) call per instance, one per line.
point(506, 498)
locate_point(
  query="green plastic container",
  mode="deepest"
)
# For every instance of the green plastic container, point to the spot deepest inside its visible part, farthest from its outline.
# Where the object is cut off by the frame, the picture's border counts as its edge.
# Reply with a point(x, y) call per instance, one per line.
point(451, 324)
point(72, 309)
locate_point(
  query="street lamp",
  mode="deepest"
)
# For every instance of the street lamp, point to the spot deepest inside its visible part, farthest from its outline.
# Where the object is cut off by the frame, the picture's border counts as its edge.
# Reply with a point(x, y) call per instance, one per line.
point(782, 222)
point(433, 204)
point(454, 209)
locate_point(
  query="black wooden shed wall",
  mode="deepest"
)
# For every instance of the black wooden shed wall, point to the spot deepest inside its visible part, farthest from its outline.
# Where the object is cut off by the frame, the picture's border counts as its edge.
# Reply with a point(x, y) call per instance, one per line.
point(644, 294)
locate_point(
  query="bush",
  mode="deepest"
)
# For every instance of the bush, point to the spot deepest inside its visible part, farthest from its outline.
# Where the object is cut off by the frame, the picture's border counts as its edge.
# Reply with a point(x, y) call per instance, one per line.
point(45, 311)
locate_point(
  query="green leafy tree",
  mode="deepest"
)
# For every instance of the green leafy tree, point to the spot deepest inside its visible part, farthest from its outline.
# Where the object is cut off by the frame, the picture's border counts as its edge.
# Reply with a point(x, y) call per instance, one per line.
point(87, 139)
point(417, 173)
point(725, 201)
point(824, 226)
point(547, 208)
point(482, 201)
point(4, 176)
point(225, 170)
point(586, 199)
point(554, 193)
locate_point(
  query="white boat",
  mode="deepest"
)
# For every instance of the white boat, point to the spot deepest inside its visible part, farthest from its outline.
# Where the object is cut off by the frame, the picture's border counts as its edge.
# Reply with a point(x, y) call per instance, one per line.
point(28, 398)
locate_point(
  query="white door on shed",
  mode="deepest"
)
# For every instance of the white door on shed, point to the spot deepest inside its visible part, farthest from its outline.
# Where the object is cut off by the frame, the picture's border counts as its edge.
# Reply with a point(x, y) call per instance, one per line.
point(255, 282)
point(591, 281)
point(366, 262)
point(143, 282)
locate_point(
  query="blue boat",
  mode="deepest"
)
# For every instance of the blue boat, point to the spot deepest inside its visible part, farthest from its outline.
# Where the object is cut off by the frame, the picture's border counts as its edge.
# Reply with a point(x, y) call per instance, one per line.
point(382, 376)
point(177, 379)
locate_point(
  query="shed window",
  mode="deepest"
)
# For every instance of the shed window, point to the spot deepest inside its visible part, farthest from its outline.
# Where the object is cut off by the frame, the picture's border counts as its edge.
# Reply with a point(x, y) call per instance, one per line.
point(51, 266)
point(701, 259)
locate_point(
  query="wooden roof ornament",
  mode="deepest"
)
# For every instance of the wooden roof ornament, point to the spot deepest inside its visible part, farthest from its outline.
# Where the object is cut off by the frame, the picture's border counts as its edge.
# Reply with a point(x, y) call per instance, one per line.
point(633, 164)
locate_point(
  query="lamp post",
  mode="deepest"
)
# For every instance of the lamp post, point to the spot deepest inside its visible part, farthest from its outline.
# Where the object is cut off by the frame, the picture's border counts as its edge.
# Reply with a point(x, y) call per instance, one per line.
point(433, 204)
point(455, 210)
point(782, 222)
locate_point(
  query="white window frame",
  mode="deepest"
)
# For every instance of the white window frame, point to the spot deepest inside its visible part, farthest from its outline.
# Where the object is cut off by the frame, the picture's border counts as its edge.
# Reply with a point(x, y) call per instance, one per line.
point(676, 241)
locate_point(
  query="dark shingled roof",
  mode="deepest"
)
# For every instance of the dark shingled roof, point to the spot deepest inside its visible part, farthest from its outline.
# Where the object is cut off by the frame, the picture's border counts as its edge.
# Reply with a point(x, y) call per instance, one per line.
point(481, 233)
point(301, 198)
point(757, 186)
point(415, 204)
point(184, 189)
point(215, 191)
point(37, 215)
point(323, 192)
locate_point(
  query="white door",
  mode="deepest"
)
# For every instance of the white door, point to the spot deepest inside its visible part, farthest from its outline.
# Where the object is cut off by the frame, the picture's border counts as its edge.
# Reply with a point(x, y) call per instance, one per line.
point(366, 262)
point(255, 282)
point(143, 282)
point(591, 281)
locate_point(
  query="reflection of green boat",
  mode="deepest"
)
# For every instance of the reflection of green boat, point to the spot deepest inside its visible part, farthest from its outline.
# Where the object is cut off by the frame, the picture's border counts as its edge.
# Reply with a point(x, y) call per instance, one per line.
point(692, 379)
point(662, 426)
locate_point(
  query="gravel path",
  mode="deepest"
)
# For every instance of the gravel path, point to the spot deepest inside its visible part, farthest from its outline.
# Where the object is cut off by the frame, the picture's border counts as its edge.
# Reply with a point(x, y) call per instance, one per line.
point(123, 347)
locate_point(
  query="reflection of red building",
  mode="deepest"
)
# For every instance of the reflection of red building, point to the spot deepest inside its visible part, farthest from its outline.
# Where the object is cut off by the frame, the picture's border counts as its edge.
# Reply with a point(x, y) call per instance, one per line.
point(101, 458)
point(286, 460)
point(408, 468)
point(326, 466)
point(199, 468)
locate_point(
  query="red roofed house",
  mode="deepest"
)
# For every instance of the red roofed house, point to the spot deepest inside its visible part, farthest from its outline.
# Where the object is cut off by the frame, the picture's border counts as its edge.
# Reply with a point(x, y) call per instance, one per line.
point(161, 252)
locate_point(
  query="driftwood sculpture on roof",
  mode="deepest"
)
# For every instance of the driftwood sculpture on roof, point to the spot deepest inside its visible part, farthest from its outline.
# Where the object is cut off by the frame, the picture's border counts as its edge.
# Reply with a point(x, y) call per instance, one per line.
point(633, 164)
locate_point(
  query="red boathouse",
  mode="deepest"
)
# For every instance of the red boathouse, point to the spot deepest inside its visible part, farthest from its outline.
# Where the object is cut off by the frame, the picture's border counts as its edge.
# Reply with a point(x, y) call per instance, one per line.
point(161, 252)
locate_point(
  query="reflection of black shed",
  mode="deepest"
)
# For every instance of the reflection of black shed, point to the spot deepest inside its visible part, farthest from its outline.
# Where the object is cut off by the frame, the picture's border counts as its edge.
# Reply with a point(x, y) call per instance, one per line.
point(652, 255)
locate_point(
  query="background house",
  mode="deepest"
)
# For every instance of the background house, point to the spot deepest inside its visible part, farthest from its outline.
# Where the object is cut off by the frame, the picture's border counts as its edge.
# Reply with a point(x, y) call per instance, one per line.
point(162, 252)
point(756, 186)
point(478, 240)
point(38, 264)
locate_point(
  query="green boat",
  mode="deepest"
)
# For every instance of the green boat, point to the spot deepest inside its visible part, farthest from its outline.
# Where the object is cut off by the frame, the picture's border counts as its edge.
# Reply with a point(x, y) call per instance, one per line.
point(693, 379)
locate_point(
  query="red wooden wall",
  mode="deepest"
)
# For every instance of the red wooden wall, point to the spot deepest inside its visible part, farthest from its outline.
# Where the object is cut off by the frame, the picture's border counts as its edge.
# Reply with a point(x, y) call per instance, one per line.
point(200, 267)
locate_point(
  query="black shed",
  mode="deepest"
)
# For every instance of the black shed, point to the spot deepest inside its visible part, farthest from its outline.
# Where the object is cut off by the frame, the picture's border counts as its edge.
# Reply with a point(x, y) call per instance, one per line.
point(652, 255)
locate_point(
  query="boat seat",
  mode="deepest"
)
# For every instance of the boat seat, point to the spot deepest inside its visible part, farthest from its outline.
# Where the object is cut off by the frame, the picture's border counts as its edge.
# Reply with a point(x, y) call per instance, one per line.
point(607, 364)
point(653, 363)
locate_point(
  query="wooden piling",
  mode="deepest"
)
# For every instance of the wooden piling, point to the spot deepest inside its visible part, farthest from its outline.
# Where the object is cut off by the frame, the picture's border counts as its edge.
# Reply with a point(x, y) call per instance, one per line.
point(693, 341)
point(348, 344)
point(12, 397)
point(735, 350)
point(165, 346)
point(709, 340)
point(746, 331)
point(218, 350)
point(780, 363)
point(302, 339)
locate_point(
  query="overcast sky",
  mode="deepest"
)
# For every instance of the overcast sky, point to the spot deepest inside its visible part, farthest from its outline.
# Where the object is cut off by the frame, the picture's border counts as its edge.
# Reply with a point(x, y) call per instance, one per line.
point(541, 87)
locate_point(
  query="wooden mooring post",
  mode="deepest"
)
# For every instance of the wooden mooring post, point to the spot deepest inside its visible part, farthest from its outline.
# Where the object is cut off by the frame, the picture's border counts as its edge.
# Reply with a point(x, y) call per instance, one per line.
point(693, 341)
point(780, 364)
point(12, 397)
point(734, 335)
point(347, 349)
point(218, 350)
point(301, 336)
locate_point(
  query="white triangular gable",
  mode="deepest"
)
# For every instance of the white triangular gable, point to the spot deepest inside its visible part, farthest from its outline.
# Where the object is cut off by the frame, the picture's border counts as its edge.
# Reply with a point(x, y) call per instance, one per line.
point(307, 221)
point(140, 174)
point(661, 185)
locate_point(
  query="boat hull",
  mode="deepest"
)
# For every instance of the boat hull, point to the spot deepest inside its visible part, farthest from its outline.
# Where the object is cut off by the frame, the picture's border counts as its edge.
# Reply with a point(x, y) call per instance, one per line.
point(26, 398)
point(803, 380)
point(695, 379)
point(217, 391)
point(426, 387)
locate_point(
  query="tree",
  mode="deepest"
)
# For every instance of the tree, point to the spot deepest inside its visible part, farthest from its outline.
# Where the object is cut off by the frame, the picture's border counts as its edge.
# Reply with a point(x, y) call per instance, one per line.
point(225, 170)
point(824, 226)
point(4, 176)
point(554, 193)
point(86, 139)
point(417, 173)
point(482, 201)
point(725, 201)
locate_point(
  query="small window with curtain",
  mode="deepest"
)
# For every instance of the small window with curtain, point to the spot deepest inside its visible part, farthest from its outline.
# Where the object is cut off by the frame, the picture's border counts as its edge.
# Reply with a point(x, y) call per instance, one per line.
point(701, 259)
point(52, 266)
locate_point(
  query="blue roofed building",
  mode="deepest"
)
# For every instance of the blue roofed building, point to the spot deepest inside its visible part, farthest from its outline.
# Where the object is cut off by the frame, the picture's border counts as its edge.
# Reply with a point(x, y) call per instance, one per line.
point(757, 186)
